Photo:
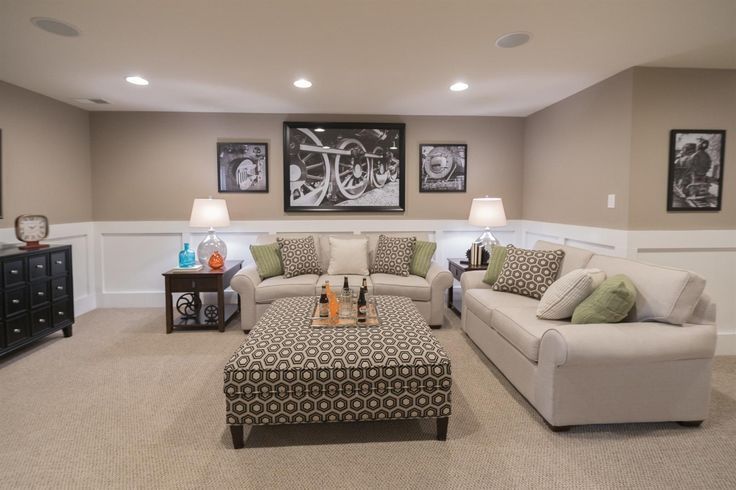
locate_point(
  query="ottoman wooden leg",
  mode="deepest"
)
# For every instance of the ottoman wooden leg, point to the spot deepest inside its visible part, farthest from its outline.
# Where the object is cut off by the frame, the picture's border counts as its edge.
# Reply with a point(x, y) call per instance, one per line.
point(237, 432)
point(442, 428)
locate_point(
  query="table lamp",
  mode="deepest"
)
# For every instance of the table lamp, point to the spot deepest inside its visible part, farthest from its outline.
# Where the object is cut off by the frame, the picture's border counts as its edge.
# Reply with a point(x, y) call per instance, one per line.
point(209, 213)
point(487, 212)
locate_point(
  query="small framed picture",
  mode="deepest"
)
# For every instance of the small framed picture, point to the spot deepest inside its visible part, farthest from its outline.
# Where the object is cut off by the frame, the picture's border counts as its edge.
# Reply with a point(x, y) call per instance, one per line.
point(442, 167)
point(242, 167)
point(695, 177)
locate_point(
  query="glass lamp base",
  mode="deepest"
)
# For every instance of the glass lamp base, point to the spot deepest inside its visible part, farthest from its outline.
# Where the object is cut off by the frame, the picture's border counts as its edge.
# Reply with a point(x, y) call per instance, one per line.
point(208, 246)
point(487, 240)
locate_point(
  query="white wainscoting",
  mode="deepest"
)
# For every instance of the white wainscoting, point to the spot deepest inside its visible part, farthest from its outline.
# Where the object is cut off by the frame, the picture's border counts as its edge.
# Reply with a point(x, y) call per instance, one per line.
point(81, 237)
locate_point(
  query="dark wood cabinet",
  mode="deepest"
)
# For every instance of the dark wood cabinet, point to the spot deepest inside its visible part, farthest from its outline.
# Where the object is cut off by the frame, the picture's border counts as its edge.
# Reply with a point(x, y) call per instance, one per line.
point(36, 295)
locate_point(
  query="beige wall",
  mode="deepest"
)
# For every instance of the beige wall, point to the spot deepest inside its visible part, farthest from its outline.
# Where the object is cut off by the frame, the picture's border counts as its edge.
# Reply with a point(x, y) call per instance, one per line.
point(665, 99)
point(149, 166)
point(45, 158)
point(576, 152)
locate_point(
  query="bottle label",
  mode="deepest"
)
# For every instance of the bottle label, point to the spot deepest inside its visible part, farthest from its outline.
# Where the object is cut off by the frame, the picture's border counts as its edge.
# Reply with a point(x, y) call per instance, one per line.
point(324, 310)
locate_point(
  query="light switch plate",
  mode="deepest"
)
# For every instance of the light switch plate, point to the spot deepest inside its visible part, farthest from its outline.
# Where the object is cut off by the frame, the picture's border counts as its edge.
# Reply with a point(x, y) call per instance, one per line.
point(612, 200)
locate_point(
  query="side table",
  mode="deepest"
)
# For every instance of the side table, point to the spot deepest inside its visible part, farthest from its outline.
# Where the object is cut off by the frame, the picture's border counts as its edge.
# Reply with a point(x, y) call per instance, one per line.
point(193, 283)
point(457, 268)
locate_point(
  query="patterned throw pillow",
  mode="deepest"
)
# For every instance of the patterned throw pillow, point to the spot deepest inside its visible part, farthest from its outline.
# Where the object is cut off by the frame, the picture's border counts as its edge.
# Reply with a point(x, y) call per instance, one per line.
point(393, 255)
point(495, 264)
point(268, 260)
point(422, 258)
point(299, 256)
point(528, 272)
point(567, 292)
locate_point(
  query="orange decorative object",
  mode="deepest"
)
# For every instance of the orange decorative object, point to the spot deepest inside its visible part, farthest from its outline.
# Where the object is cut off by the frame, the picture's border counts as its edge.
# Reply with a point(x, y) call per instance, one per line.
point(216, 261)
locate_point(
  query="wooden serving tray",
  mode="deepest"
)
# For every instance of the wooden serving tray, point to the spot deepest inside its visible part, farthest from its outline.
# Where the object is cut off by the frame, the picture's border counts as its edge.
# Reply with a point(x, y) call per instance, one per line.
point(371, 320)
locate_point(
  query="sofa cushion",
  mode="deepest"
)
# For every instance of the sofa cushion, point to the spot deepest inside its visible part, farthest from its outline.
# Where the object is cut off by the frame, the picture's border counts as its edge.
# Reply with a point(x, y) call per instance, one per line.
point(422, 258)
point(285, 287)
point(393, 255)
point(268, 260)
point(495, 264)
point(575, 258)
point(664, 294)
point(609, 303)
point(567, 292)
point(299, 256)
point(414, 287)
point(348, 256)
point(522, 329)
point(354, 281)
point(528, 272)
point(482, 302)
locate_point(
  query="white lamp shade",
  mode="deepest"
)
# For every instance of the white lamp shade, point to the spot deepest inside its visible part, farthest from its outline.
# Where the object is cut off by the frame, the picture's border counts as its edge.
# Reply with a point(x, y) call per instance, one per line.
point(209, 213)
point(487, 211)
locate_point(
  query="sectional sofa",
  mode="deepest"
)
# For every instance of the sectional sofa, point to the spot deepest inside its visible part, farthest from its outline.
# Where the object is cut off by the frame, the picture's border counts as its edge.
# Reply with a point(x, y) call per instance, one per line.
point(256, 295)
point(653, 367)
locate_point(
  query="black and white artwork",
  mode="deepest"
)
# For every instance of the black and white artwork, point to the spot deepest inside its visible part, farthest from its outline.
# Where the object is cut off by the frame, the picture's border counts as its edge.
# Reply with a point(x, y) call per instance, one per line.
point(242, 167)
point(442, 168)
point(695, 180)
point(343, 166)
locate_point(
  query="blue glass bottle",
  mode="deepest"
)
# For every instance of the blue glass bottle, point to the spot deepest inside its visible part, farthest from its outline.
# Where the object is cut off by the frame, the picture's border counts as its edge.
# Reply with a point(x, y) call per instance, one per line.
point(186, 257)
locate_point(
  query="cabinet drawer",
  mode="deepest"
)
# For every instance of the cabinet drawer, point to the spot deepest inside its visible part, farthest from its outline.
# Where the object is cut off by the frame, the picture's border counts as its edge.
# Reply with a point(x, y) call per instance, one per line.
point(38, 267)
point(17, 330)
point(185, 284)
point(16, 300)
point(58, 263)
point(40, 320)
point(14, 272)
point(40, 293)
point(59, 287)
point(61, 312)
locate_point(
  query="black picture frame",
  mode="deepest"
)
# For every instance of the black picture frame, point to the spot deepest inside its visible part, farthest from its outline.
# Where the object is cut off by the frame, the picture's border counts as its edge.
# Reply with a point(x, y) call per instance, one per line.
point(369, 157)
point(443, 167)
point(1, 174)
point(695, 170)
point(242, 167)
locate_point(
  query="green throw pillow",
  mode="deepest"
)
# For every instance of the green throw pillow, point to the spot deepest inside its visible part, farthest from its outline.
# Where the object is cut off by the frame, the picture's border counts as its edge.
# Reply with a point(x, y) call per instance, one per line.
point(495, 263)
point(609, 303)
point(267, 259)
point(422, 258)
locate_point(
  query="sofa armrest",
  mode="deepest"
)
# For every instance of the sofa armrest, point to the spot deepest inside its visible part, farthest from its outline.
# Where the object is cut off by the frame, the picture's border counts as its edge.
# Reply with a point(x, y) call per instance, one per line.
point(625, 343)
point(439, 280)
point(438, 277)
point(244, 282)
point(473, 280)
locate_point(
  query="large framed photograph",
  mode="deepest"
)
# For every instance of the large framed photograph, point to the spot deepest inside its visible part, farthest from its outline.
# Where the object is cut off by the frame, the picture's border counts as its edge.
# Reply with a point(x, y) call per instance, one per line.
point(442, 167)
point(695, 180)
point(343, 166)
point(242, 167)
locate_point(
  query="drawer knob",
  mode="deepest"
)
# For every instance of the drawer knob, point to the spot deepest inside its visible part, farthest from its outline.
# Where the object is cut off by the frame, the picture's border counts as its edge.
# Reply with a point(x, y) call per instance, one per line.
point(59, 288)
point(39, 266)
point(16, 330)
point(15, 301)
point(14, 271)
point(41, 320)
point(59, 262)
point(41, 293)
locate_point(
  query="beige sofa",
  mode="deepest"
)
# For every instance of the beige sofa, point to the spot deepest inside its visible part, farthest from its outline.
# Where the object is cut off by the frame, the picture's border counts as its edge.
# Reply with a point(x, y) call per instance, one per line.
point(647, 369)
point(256, 294)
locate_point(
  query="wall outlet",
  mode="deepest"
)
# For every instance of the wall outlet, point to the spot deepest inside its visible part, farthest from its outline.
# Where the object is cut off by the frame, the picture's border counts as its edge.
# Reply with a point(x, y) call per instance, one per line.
point(612, 200)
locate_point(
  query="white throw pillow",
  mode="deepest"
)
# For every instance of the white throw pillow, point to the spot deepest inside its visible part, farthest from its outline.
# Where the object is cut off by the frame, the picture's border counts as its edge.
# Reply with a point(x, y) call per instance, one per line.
point(567, 292)
point(348, 256)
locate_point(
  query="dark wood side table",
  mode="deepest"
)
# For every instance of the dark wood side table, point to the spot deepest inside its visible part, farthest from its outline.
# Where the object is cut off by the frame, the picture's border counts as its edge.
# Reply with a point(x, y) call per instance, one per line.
point(457, 268)
point(205, 280)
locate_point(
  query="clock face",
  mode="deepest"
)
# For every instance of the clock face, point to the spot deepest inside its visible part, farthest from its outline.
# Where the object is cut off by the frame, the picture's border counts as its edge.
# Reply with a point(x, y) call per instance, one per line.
point(31, 227)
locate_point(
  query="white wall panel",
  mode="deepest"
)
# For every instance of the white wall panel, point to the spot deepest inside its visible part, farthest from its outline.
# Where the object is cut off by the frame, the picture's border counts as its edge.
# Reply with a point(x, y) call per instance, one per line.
point(134, 262)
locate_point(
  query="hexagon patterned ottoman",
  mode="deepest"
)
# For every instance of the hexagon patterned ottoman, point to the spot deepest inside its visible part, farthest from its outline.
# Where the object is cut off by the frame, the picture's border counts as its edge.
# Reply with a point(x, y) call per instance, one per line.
point(287, 372)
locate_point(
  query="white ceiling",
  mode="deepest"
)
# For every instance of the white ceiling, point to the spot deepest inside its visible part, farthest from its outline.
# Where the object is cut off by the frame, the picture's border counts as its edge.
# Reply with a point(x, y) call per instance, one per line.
point(363, 56)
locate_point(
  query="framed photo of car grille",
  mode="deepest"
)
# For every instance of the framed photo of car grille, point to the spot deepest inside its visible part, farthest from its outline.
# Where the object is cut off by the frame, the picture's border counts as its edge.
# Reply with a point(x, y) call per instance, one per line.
point(695, 180)
point(242, 167)
point(442, 167)
point(343, 167)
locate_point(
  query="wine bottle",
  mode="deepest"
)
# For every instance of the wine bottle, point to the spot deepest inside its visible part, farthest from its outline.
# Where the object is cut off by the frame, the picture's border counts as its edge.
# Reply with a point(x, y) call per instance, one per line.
point(362, 307)
point(324, 304)
point(364, 286)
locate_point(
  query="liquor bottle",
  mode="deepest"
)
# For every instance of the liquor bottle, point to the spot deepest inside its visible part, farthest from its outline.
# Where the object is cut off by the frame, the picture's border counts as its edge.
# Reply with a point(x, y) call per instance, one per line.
point(324, 304)
point(362, 307)
point(364, 286)
point(345, 285)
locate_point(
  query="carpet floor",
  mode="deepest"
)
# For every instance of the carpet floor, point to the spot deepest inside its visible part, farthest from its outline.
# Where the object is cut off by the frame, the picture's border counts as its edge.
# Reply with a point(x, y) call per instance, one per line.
point(122, 405)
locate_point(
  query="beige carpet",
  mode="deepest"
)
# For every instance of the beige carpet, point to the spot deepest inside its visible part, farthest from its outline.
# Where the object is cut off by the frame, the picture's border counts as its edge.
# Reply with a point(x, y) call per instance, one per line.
point(122, 405)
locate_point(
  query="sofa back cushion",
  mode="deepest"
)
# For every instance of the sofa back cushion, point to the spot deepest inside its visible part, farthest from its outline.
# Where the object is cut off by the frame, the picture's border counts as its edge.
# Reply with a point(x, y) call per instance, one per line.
point(575, 258)
point(664, 294)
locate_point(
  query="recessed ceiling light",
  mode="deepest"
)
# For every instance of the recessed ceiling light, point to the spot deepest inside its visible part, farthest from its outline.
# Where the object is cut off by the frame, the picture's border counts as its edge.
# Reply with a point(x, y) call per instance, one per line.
point(513, 39)
point(302, 83)
point(459, 86)
point(136, 80)
point(319, 130)
point(55, 26)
